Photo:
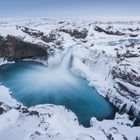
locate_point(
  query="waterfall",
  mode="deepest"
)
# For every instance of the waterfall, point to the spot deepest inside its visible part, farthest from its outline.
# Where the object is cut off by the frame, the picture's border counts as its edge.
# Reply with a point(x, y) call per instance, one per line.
point(65, 63)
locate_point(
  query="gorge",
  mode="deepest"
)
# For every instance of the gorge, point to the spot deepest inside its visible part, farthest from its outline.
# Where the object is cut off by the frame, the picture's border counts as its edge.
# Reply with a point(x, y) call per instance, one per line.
point(32, 83)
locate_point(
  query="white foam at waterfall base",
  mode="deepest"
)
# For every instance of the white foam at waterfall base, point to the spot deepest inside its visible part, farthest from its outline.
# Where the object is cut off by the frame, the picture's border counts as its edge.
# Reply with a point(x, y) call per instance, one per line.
point(50, 77)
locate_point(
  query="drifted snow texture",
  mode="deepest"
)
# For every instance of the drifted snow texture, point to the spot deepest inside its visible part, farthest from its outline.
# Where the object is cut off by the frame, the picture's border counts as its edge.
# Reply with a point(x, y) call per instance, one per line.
point(106, 54)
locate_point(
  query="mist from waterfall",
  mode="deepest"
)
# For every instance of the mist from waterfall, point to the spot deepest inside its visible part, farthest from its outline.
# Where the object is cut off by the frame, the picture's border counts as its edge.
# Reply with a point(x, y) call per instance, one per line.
point(50, 77)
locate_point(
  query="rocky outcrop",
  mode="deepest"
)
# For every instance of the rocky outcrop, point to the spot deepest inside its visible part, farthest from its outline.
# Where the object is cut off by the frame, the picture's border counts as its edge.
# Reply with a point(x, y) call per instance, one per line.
point(38, 34)
point(76, 33)
point(1, 110)
point(126, 78)
point(4, 108)
point(13, 48)
point(109, 32)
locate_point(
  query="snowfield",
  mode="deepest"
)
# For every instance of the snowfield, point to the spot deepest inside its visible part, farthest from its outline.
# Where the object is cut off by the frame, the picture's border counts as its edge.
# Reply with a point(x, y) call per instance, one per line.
point(106, 54)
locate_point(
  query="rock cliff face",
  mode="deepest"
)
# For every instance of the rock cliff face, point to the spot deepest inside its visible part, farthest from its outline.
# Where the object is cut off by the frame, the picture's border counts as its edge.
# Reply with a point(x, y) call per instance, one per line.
point(38, 34)
point(14, 48)
point(75, 33)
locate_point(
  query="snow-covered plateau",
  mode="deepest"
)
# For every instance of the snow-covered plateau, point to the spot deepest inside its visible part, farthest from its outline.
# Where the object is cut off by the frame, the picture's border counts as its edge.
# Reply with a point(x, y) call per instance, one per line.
point(106, 54)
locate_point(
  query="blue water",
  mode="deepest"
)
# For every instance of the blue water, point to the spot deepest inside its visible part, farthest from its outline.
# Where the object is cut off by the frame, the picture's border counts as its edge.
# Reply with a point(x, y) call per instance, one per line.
point(33, 83)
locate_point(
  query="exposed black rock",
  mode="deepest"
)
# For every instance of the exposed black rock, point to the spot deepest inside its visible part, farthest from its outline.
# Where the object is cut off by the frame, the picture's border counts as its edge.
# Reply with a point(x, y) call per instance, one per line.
point(124, 137)
point(123, 109)
point(13, 48)
point(75, 33)
point(133, 35)
point(25, 110)
point(4, 108)
point(34, 113)
point(137, 122)
point(1, 110)
point(128, 54)
point(137, 138)
point(109, 32)
point(134, 30)
point(38, 34)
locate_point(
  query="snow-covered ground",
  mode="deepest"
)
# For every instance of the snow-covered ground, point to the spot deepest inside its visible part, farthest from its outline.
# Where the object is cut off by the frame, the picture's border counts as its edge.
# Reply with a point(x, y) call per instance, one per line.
point(106, 54)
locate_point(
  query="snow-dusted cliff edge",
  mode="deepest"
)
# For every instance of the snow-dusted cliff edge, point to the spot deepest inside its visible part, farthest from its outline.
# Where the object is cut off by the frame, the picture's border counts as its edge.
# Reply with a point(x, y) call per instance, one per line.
point(106, 54)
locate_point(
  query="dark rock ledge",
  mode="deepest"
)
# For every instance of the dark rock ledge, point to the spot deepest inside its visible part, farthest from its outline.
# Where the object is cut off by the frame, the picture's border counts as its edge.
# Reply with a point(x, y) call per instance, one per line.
point(99, 29)
point(75, 33)
point(14, 48)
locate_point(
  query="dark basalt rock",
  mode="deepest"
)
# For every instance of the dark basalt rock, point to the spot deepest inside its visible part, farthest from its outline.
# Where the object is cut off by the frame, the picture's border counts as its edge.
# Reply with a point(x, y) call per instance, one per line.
point(34, 113)
point(134, 30)
point(110, 137)
point(27, 111)
point(124, 137)
point(123, 109)
point(4, 108)
point(38, 34)
point(128, 54)
point(13, 48)
point(125, 89)
point(75, 33)
point(137, 122)
point(1, 110)
point(131, 78)
point(137, 138)
point(99, 29)
point(36, 133)
point(133, 35)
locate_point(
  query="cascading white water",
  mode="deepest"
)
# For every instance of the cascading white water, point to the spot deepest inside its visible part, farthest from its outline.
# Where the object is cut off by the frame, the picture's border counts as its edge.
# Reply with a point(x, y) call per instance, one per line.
point(65, 64)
